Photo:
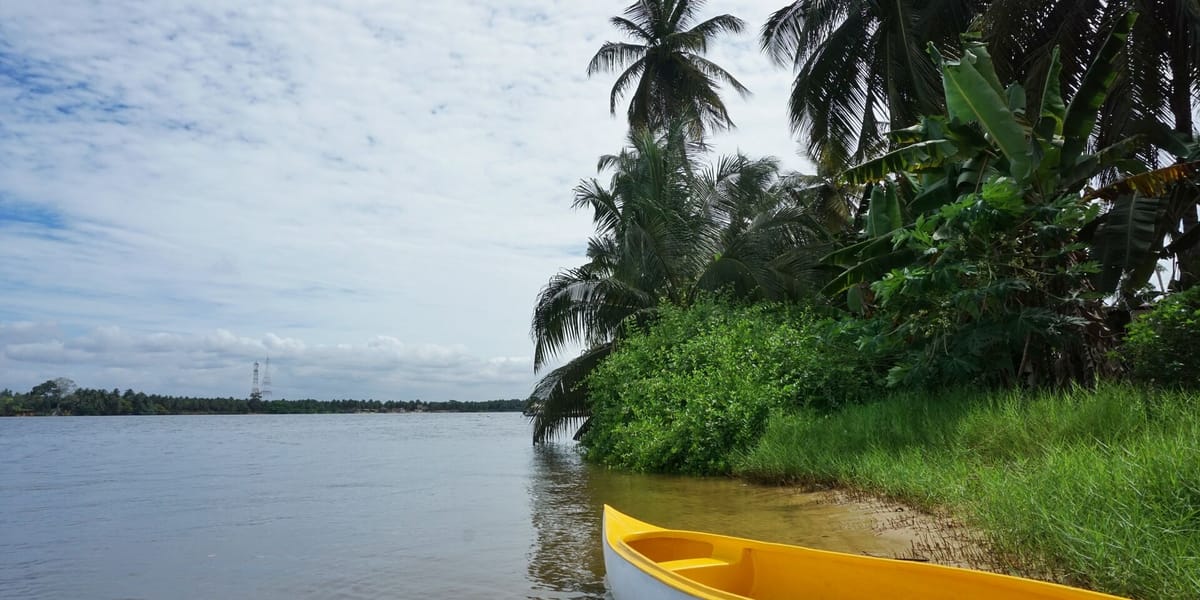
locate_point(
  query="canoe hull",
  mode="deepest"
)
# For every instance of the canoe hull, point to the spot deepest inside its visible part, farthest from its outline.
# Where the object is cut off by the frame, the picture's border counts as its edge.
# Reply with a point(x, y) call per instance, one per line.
point(647, 562)
point(628, 582)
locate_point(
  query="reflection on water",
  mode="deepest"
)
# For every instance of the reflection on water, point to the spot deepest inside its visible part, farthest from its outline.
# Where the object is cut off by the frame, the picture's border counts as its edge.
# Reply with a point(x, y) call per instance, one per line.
point(566, 558)
point(567, 496)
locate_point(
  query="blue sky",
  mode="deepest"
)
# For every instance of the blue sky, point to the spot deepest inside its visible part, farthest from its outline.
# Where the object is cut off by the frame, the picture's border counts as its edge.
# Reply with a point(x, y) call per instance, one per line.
point(369, 192)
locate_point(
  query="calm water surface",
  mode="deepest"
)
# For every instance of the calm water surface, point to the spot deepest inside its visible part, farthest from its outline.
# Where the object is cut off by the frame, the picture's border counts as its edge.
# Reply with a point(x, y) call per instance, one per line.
point(338, 506)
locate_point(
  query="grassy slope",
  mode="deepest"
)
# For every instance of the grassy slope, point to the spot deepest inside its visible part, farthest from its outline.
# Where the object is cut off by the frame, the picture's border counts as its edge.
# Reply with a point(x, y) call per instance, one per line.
point(1102, 486)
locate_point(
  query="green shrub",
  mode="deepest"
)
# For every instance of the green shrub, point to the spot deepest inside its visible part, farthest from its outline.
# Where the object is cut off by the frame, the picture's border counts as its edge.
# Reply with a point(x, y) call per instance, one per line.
point(992, 298)
point(1160, 348)
point(699, 383)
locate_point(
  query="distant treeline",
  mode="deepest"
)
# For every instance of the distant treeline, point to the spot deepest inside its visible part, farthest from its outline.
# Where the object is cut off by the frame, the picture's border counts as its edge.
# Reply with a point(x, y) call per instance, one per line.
point(61, 397)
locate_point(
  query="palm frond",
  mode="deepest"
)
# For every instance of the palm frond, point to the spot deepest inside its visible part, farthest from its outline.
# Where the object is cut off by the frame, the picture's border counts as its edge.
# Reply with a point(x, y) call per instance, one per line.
point(828, 94)
point(683, 12)
point(665, 78)
point(696, 39)
point(794, 32)
point(631, 28)
point(606, 208)
point(559, 400)
point(715, 72)
point(614, 55)
point(624, 80)
point(580, 306)
point(907, 61)
point(646, 14)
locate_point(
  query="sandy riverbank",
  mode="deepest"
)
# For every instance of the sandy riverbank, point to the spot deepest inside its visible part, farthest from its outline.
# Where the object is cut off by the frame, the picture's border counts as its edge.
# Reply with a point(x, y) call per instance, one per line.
point(906, 533)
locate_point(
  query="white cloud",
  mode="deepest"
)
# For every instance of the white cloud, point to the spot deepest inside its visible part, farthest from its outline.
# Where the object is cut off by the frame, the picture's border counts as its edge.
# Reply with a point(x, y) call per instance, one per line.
point(219, 363)
point(332, 172)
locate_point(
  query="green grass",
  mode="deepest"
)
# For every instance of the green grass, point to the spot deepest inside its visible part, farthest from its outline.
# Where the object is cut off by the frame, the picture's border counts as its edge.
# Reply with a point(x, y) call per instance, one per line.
point(1102, 486)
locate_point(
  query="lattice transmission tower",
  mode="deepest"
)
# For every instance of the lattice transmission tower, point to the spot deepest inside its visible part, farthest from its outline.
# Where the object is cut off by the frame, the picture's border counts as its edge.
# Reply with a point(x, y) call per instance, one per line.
point(255, 391)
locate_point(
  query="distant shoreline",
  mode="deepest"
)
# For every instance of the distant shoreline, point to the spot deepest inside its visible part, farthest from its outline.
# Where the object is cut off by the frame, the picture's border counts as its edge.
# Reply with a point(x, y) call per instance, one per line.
point(53, 399)
point(248, 414)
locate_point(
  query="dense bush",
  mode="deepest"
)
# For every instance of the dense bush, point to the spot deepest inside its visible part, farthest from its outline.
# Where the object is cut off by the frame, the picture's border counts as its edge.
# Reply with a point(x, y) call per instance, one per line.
point(1161, 344)
point(683, 394)
point(992, 297)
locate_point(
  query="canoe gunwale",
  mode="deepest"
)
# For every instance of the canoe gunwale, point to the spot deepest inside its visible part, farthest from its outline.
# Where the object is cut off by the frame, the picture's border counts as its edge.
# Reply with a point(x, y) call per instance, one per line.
point(670, 569)
point(673, 579)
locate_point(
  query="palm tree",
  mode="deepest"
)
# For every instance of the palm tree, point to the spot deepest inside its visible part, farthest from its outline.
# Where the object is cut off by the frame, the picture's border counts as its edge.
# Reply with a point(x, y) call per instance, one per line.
point(765, 232)
point(640, 256)
point(667, 230)
point(1023, 34)
point(665, 66)
point(861, 68)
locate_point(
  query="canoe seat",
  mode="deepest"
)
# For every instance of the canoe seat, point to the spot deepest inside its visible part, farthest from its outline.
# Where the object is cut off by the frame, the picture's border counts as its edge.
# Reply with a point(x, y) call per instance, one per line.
point(692, 563)
point(735, 577)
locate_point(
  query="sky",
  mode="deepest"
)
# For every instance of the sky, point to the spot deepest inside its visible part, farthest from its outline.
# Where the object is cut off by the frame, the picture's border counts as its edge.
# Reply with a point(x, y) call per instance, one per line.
point(368, 192)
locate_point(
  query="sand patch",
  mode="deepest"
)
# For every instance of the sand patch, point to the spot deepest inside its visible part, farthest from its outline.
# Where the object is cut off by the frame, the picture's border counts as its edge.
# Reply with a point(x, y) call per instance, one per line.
point(910, 534)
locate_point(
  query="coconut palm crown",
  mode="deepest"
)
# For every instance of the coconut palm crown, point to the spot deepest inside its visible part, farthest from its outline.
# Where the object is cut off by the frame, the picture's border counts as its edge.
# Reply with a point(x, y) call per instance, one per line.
point(664, 70)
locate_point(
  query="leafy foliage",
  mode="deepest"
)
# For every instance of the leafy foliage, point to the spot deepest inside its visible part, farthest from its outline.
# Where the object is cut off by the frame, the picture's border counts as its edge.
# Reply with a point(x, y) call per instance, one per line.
point(972, 243)
point(1156, 75)
point(698, 384)
point(1151, 217)
point(995, 296)
point(989, 279)
point(667, 229)
point(1161, 345)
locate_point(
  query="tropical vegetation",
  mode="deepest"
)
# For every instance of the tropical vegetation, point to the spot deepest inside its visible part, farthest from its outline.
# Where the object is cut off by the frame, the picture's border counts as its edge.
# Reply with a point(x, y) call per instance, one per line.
point(1000, 234)
point(1160, 347)
point(997, 217)
point(684, 393)
point(669, 228)
point(63, 398)
point(861, 68)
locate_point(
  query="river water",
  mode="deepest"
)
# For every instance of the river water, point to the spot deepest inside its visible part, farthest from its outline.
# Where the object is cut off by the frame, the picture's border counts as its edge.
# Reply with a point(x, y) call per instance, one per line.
point(340, 506)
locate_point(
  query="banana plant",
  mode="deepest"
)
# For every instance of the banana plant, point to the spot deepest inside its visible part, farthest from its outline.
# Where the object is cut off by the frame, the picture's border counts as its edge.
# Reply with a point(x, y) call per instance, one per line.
point(1147, 222)
point(971, 254)
point(985, 134)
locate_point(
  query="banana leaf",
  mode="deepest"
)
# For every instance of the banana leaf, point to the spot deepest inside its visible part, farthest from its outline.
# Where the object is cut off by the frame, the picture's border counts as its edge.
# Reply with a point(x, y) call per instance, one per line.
point(1151, 183)
point(1128, 239)
point(854, 253)
point(972, 96)
point(933, 196)
point(1184, 242)
point(870, 269)
point(884, 214)
point(921, 155)
point(1097, 82)
point(1052, 110)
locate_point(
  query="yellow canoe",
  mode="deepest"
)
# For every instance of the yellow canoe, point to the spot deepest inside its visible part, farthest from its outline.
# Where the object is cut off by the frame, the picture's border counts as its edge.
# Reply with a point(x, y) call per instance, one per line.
point(645, 562)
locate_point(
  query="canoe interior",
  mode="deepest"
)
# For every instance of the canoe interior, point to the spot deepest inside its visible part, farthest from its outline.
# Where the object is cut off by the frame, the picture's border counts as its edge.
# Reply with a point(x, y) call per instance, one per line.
point(699, 561)
point(709, 566)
